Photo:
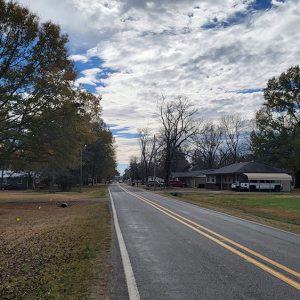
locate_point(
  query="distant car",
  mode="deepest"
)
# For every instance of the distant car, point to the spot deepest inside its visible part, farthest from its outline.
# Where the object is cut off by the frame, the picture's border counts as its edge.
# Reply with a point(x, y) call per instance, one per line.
point(156, 183)
point(9, 187)
point(263, 185)
point(235, 186)
point(177, 183)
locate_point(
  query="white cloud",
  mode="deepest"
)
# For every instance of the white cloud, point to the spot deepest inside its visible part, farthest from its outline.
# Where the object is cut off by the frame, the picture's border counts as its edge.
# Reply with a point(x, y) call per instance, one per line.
point(161, 47)
point(125, 148)
point(89, 77)
point(80, 58)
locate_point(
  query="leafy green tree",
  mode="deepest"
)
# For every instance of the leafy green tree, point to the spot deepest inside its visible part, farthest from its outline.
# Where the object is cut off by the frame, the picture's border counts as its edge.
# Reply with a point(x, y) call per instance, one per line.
point(135, 169)
point(45, 121)
point(55, 142)
point(276, 139)
point(34, 73)
point(99, 154)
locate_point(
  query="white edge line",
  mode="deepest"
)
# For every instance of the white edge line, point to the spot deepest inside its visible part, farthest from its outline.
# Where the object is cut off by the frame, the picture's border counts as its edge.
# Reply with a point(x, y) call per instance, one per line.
point(129, 275)
point(223, 213)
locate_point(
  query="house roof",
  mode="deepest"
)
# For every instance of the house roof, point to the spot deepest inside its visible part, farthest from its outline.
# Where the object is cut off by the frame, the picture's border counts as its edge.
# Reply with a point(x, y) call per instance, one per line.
point(268, 176)
point(246, 167)
point(199, 173)
point(12, 174)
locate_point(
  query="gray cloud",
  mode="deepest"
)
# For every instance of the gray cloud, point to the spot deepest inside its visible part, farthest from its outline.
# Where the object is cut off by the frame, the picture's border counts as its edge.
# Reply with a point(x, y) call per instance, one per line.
point(160, 47)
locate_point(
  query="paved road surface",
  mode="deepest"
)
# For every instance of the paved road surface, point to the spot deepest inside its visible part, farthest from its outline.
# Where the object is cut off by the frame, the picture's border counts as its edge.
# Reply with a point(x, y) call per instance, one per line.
point(180, 251)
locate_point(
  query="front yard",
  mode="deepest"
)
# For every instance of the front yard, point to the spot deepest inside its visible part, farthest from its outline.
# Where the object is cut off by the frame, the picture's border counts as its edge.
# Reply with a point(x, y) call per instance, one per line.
point(280, 210)
point(50, 252)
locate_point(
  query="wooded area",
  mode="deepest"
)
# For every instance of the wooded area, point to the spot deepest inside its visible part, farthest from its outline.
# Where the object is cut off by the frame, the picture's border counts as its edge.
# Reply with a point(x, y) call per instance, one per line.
point(48, 125)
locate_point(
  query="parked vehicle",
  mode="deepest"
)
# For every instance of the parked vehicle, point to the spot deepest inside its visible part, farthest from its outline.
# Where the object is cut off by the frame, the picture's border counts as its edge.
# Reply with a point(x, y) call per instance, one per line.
point(235, 186)
point(256, 185)
point(177, 183)
point(9, 187)
point(155, 183)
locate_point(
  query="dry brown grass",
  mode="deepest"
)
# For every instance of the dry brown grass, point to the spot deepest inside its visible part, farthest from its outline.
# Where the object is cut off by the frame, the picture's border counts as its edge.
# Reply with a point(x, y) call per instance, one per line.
point(25, 196)
point(49, 252)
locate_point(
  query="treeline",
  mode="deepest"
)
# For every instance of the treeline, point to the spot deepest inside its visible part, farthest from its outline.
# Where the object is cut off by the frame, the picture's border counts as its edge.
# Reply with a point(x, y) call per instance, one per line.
point(185, 141)
point(48, 126)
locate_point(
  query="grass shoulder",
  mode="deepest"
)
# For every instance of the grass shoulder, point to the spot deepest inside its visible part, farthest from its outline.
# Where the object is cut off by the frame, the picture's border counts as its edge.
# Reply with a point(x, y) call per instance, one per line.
point(281, 210)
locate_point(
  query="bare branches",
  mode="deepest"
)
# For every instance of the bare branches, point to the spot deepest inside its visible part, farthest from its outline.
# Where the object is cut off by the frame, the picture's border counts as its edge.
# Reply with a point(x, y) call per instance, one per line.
point(221, 143)
point(208, 144)
point(233, 126)
point(148, 148)
point(178, 118)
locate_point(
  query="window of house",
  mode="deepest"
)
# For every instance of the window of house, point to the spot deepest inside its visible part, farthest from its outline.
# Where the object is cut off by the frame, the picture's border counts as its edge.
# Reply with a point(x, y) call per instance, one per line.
point(20, 181)
point(210, 179)
point(4, 180)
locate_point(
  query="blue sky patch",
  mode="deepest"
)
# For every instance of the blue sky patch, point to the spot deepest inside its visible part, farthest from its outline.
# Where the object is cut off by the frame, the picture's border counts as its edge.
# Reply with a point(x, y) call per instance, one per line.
point(121, 168)
point(122, 132)
point(250, 91)
point(93, 62)
point(261, 5)
point(240, 17)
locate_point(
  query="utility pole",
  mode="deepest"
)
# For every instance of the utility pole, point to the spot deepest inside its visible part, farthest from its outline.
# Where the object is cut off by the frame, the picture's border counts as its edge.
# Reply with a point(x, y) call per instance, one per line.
point(154, 159)
point(80, 190)
point(2, 176)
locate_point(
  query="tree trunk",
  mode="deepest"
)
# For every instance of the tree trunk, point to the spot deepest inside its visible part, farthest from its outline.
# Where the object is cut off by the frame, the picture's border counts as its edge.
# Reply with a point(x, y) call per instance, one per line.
point(2, 177)
point(33, 181)
point(167, 169)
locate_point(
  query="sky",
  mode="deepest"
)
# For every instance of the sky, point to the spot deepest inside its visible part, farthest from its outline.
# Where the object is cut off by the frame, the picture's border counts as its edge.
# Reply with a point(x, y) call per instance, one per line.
point(218, 53)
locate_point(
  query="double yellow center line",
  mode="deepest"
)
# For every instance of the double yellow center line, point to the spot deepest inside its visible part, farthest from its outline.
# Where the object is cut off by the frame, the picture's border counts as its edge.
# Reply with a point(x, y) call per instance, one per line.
point(228, 244)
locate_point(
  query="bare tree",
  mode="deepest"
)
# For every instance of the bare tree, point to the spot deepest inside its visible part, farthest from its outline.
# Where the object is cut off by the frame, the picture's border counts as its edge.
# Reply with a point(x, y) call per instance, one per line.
point(233, 126)
point(148, 148)
point(178, 126)
point(208, 144)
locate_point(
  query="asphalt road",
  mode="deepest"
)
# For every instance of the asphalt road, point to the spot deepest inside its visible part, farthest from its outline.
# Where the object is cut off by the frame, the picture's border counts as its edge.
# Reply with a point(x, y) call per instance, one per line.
point(180, 251)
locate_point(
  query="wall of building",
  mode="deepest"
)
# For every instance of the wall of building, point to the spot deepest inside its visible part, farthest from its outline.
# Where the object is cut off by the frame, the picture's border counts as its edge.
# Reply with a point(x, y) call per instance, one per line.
point(193, 182)
point(16, 183)
point(286, 186)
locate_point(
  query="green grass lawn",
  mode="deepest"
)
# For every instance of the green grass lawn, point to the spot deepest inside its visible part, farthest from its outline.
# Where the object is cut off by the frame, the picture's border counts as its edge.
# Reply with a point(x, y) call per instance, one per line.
point(279, 210)
point(257, 200)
